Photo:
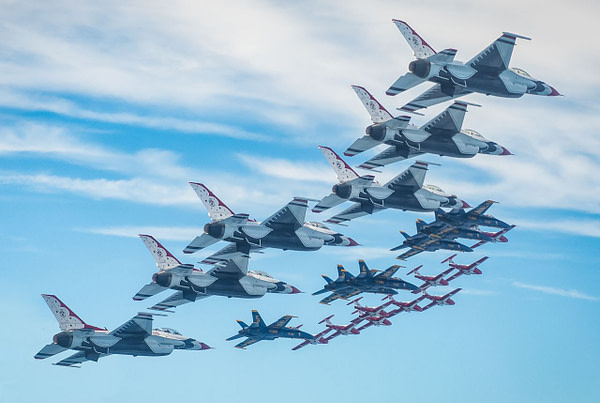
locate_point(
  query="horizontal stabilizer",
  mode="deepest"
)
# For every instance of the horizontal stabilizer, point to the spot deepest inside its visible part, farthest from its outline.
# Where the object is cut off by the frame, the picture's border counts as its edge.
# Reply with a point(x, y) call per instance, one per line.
point(328, 202)
point(403, 83)
point(364, 143)
point(200, 242)
point(49, 350)
point(147, 291)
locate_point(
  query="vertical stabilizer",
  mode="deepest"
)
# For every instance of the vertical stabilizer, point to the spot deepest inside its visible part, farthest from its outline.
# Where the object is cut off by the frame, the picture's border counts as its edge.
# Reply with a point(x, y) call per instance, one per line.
point(164, 259)
point(217, 210)
point(67, 319)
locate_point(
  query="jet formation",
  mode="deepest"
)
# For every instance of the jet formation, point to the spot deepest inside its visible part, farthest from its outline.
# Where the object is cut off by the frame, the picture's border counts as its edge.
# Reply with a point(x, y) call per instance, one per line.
point(287, 229)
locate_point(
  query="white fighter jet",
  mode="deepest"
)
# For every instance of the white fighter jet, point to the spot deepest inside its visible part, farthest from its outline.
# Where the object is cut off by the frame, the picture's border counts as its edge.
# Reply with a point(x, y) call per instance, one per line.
point(486, 73)
point(135, 337)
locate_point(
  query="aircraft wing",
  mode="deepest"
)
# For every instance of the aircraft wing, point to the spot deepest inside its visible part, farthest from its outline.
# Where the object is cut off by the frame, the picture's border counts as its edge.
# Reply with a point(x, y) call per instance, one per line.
point(392, 154)
point(292, 215)
point(481, 209)
point(455, 275)
point(175, 300)
point(246, 343)
point(410, 180)
point(148, 291)
point(318, 336)
point(361, 144)
point(351, 213)
point(409, 253)
point(495, 58)
point(236, 266)
point(449, 121)
point(78, 358)
point(389, 272)
point(281, 322)
point(229, 252)
point(139, 326)
point(339, 295)
point(433, 96)
point(49, 350)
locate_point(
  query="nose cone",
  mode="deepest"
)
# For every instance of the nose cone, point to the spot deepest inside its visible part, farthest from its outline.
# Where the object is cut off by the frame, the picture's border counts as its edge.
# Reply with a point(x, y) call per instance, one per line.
point(294, 290)
point(198, 345)
point(505, 151)
point(351, 242)
point(465, 204)
point(553, 92)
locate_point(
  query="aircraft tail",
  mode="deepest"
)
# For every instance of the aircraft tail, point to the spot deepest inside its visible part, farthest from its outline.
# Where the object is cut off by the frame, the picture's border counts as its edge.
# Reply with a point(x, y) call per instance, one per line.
point(217, 210)
point(421, 49)
point(377, 111)
point(164, 259)
point(343, 273)
point(67, 319)
point(449, 259)
point(439, 213)
point(257, 319)
point(242, 324)
point(420, 225)
point(405, 235)
point(364, 269)
point(343, 171)
point(326, 278)
point(326, 320)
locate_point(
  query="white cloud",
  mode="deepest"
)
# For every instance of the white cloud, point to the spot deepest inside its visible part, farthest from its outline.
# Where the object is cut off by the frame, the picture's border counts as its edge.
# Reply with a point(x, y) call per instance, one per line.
point(556, 291)
point(160, 233)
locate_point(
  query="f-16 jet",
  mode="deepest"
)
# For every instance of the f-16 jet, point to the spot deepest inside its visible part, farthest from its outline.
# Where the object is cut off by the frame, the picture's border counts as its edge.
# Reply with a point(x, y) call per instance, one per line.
point(466, 270)
point(258, 330)
point(369, 281)
point(286, 229)
point(424, 243)
point(440, 300)
point(229, 279)
point(429, 281)
point(135, 337)
point(404, 192)
point(442, 135)
point(474, 217)
point(486, 73)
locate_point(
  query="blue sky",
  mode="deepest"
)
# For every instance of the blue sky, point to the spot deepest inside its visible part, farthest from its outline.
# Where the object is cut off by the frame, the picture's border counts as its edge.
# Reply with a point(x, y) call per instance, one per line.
point(109, 110)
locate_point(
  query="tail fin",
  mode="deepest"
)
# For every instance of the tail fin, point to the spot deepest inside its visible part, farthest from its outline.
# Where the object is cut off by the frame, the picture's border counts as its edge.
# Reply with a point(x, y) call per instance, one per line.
point(343, 273)
point(67, 319)
point(242, 324)
point(217, 210)
point(420, 225)
point(421, 49)
point(439, 213)
point(364, 269)
point(257, 319)
point(326, 278)
point(342, 170)
point(378, 113)
point(405, 235)
point(164, 259)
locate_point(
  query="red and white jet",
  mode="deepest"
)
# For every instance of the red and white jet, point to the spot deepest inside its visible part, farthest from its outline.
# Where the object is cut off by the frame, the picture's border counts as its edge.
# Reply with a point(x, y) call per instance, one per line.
point(319, 339)
point(429, 281)
point(405, 306)
point(467, 270)
point(369, 310)
point(343, 330)
point(496, 237)
point(440, 300)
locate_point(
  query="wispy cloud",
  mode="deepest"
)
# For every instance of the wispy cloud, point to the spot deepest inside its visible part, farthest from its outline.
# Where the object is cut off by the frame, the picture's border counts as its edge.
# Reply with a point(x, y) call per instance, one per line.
point(160, 233)
point(555, 291)
point(474, 291)
point(291, 170)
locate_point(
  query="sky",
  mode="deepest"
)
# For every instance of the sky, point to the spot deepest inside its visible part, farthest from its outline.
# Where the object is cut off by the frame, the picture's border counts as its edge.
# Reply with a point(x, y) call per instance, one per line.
point(108, 110)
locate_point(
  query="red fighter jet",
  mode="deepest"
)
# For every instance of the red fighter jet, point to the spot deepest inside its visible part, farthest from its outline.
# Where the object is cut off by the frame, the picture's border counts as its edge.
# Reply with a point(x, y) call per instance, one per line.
point(440, 300)
point(467, 270)
point(429, 281)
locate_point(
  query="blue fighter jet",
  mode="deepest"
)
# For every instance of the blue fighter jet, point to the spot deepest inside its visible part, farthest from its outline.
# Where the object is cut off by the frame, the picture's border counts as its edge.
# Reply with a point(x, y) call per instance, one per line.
point(370, 281)
point(258, 330)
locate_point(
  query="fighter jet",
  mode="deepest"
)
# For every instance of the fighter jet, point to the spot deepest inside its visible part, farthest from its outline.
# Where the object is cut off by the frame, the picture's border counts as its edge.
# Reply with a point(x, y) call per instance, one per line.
point(429, 281)
point(258, 330)
point(135, 337)
point(229, 279)
point(487, 73)
point(466, 270)
point(438, 229)
point(405, 306)
point(440, 300)
point(475, 216)
point(442, 135)
point(285, 230)
point(424, 243)
point(369, 281)
point(404, 192)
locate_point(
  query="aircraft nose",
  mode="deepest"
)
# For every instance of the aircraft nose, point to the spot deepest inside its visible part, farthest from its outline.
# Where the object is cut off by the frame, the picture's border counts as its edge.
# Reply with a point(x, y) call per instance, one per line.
point(505, 151)
point(465, 204)
point(352, 242)
point(198, 345)
point(553, 92)
point(295, 290)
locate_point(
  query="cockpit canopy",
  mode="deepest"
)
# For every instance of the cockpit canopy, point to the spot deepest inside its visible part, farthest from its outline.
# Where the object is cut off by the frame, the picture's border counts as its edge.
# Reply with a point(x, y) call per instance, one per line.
point(167, 330)
point(474, 134)
point(435, 189)
point(261, 273)
point(521, 72)
point(317, 224)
